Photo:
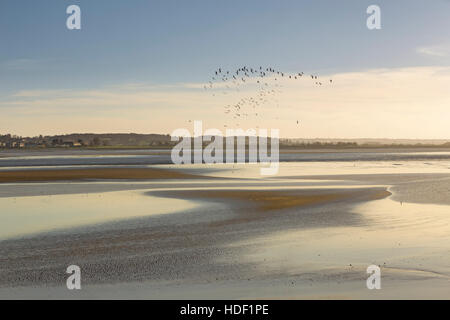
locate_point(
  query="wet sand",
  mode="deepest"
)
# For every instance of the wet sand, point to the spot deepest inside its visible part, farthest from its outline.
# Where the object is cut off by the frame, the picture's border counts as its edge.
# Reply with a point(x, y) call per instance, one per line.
point(91, 174)
point(273, 238)
point(277, 200)
point(178, 246)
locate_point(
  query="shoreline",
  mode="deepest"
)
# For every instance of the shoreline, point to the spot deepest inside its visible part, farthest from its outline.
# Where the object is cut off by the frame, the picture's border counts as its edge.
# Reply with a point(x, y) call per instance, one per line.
point(5, 153)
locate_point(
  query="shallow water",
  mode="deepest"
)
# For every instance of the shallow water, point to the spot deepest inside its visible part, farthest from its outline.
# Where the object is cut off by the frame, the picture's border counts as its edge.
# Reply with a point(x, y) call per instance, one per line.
point(305, 169)
point(149, 157)
point(26, 215)
point(29, 215)
point(401, 236)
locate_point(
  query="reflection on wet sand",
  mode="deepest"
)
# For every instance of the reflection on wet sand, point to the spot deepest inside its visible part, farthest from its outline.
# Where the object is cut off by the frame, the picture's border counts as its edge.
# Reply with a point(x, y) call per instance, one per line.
point(24, 216)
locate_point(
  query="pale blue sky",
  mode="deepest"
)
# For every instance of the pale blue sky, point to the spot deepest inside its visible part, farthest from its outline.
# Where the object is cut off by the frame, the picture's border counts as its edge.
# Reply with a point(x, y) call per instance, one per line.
point(174, 41)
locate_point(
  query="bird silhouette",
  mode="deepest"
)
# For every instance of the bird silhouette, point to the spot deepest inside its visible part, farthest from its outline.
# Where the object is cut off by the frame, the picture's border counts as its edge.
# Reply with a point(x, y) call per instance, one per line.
point(247, 77)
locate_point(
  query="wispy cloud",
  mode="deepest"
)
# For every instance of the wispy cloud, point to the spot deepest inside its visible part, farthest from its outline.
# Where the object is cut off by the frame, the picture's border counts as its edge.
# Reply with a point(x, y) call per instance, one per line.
point(400, 102)
point(435, 51)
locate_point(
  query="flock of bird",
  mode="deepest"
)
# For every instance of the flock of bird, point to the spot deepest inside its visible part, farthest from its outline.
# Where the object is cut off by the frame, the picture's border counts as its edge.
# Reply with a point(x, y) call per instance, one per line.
point(267, 82)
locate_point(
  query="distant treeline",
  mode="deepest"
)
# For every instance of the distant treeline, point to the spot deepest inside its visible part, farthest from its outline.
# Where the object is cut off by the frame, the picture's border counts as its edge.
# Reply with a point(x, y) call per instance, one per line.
point(85, 140)
point(130, 140)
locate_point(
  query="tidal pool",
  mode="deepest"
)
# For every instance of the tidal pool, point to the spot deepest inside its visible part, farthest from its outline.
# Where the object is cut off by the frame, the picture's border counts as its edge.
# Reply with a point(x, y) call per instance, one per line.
point(22, 216)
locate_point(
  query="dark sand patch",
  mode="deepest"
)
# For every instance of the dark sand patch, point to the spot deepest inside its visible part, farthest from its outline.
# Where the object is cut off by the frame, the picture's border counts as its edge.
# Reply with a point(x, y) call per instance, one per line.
point(267, 200)
point(90, 174)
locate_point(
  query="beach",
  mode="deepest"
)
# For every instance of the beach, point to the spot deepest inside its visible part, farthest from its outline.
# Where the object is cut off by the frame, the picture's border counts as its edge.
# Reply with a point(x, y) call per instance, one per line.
point(145, 230)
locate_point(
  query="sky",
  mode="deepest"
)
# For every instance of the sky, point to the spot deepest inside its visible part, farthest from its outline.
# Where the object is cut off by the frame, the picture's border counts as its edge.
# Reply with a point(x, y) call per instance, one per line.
point(140, 66)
